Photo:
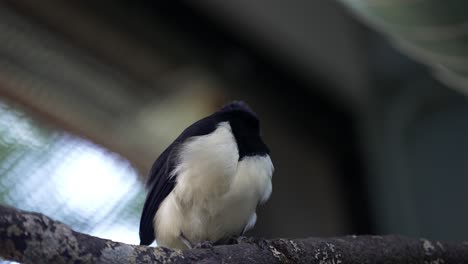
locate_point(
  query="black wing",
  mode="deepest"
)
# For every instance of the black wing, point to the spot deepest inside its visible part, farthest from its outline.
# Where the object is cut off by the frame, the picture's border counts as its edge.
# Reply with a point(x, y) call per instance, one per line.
point(160, 184)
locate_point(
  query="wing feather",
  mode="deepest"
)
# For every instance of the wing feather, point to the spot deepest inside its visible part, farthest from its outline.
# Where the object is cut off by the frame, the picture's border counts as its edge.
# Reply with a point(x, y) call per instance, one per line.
point(159, 186)
point(160, 183)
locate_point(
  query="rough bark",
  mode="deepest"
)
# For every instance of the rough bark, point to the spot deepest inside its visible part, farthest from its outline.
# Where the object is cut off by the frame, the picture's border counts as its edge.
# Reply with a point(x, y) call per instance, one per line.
point(35, 238)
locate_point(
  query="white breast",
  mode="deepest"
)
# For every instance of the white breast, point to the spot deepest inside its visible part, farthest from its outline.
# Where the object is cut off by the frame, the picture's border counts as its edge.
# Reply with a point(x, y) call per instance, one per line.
point(216, 195)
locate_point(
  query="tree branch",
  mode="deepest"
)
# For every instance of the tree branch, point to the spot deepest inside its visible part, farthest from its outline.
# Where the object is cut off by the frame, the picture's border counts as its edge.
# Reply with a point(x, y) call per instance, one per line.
point(32, 238)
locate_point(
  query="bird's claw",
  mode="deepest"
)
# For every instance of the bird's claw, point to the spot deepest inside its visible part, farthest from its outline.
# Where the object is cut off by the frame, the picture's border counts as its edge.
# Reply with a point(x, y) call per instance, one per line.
point(242, 239)
point(238, 240)
point(204, 244)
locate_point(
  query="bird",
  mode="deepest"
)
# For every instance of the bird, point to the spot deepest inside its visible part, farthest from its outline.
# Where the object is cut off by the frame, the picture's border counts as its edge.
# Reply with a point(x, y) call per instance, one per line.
point(207, 184)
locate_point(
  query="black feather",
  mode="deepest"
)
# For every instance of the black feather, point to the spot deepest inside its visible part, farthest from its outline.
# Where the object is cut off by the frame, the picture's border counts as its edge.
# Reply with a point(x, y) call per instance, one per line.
point(160, 183)
point(159, 186)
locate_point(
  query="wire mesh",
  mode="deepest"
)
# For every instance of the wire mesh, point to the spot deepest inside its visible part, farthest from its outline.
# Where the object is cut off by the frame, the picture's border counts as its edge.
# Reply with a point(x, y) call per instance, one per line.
point(67, 178)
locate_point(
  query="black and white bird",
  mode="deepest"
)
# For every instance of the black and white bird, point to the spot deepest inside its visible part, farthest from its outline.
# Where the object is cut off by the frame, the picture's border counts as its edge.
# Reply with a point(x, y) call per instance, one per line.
point(208, 183)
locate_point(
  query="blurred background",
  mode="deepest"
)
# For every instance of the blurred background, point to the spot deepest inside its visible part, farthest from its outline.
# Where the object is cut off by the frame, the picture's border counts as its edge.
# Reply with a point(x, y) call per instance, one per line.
point(362, 102)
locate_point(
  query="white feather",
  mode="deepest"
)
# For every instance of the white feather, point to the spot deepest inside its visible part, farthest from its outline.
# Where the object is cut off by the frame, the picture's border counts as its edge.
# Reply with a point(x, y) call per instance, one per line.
point(216, 194)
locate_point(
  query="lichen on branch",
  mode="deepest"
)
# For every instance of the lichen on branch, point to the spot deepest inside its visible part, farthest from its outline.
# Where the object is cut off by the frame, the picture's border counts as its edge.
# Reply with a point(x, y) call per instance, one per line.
point(34, 238)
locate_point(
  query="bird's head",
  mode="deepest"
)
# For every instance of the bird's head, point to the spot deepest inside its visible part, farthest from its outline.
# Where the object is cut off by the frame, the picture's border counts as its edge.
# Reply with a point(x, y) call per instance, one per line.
point(245, 127)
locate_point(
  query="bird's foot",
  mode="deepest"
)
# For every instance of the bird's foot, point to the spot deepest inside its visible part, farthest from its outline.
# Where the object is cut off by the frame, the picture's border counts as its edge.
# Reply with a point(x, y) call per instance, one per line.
point(186, 241)
point(204, 244)
point(239, 240)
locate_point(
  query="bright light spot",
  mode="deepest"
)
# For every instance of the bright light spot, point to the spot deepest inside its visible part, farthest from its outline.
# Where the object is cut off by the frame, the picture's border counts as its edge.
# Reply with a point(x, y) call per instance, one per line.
point(90, 180)
point(68, 178)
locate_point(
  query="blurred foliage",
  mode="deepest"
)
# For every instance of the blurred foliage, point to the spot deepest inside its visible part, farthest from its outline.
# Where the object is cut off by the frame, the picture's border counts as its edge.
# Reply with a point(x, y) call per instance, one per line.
point(432, 31)
point(68, 178)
